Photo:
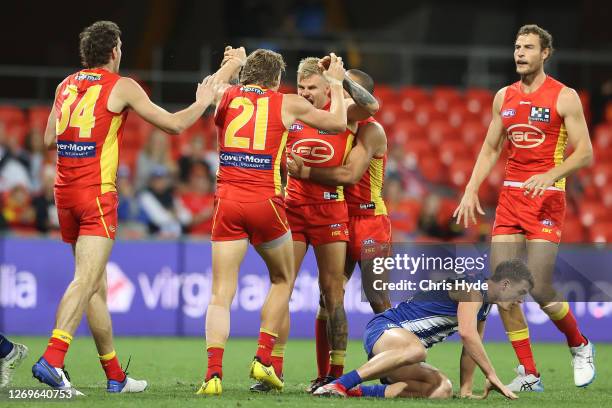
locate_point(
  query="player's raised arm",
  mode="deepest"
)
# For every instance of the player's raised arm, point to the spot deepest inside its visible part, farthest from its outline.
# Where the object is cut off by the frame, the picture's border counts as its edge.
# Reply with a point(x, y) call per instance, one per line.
point(296, 107)
point(467, 365)
point(127, 93)
point(371, 139)
point(489, 153)
point(472, 343)
point(50, 136)
point(570, 109)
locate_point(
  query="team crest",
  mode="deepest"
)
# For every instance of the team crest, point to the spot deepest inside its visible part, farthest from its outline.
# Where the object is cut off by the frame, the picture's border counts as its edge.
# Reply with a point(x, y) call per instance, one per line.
point(539, 114)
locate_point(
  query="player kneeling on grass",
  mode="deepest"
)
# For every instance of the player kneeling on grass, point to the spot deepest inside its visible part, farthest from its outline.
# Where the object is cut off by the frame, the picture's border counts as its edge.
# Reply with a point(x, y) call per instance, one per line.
point(397, 340)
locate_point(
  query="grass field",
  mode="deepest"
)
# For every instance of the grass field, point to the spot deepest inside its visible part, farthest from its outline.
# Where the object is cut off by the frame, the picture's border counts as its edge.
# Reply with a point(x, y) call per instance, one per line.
point(174, 368)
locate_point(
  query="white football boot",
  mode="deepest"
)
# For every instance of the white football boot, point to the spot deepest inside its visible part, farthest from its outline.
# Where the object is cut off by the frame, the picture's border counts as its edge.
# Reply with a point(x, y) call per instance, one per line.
point(584, 364)
point(525, 382)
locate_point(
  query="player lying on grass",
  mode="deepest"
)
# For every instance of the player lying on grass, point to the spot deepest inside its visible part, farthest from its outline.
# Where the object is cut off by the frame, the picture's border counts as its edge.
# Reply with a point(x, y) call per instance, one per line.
point(397, 340)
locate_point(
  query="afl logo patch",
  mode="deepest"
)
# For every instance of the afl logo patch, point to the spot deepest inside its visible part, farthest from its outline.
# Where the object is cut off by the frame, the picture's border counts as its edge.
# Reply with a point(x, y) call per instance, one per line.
point(508, 113)
point(296, 127)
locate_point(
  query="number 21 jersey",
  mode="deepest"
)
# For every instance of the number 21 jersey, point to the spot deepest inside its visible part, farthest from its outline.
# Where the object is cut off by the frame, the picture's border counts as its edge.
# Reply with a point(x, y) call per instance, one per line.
point(251, 139)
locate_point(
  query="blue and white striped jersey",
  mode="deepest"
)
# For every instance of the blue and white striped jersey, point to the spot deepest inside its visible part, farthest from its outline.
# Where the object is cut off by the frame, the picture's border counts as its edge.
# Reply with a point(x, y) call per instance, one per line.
point(431, 315)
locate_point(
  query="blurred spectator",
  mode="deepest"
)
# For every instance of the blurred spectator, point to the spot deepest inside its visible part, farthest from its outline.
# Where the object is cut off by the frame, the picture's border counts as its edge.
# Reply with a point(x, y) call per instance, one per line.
point(17, 209)
point(156, 153)
point(403, 213)
point(198, 199)
point(196, 151)
point(44, 202)
point(132, 218)
point(13, 163)
point(36, 154)
point(165, 215)
point(405, 168)
point(436, 218)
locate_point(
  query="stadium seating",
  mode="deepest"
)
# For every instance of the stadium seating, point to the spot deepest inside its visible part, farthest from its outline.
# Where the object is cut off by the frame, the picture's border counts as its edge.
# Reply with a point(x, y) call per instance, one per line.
point(439, 133)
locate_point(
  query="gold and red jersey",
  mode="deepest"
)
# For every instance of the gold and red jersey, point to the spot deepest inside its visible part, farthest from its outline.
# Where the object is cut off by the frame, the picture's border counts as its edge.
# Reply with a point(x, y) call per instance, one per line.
point(318, 148)
point(365, 197)
point(88, 137)
point(251, 139)
point(535, 130)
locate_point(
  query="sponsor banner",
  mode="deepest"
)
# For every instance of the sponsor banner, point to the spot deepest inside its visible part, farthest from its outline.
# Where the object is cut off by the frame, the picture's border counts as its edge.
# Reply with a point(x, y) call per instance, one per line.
point(163, 288)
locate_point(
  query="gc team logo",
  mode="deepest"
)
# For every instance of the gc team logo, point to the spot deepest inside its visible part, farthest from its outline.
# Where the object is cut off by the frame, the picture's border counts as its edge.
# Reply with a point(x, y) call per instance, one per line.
point(314, 150)
point(526, 136)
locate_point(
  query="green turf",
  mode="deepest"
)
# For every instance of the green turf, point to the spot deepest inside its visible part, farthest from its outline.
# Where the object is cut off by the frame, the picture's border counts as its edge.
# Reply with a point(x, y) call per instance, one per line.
point(174, 368)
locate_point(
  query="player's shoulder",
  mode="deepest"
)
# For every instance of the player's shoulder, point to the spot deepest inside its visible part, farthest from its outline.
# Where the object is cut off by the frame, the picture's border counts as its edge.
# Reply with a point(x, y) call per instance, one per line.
point(568, 101)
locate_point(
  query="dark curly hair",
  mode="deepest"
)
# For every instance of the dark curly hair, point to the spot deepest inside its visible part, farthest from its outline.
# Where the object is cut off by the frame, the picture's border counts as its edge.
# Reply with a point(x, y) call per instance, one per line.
point(97, 42)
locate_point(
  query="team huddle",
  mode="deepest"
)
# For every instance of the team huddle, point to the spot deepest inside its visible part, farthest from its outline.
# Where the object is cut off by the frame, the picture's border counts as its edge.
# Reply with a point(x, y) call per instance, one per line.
point(334, 154)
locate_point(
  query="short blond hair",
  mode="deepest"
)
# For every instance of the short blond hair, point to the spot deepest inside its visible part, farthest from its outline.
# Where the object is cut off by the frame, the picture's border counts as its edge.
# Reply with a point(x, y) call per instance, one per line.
point(308, 67)
point(263, 67)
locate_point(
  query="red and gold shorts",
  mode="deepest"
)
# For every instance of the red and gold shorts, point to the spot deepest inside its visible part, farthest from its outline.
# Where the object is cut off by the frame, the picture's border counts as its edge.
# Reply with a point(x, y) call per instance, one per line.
point(319, 224)
point(97, 217)
point(370, 237)
point(540, 217)
point(260, 221)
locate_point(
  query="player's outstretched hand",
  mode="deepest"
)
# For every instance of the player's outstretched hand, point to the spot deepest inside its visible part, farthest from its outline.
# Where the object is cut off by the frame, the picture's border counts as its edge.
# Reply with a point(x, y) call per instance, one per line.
point(538, 184)
point(467, 207)
point(494, 384)
point(237, 54)
point(208, 89)
point(324, 62)
point(296, 168)
point(335, 72)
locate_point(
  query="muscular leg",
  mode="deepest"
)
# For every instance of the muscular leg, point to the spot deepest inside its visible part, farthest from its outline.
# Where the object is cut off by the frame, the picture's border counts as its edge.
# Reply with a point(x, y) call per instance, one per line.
point(419, 381)
point(379, 300)
point(394, 349)
point(226, 259)
point(331, 262)
point(281, 267)
point(505, 247)
point(541, 261)
point(91, 255)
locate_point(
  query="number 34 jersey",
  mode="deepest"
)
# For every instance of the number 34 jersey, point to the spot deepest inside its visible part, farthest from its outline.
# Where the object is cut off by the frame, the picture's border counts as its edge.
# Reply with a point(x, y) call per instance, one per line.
point(88, 137)
point(251, 139)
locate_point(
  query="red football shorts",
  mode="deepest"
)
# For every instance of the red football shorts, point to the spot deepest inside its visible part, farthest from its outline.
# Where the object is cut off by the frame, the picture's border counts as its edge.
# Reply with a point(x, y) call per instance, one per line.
point(97, 217)
point(319, 224)
point(260, 221)
point(536, 218)
point(370, 237)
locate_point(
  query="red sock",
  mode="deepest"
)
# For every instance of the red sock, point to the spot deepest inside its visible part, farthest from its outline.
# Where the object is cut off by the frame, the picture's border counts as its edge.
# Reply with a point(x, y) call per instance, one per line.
point(321, 346)
point(215, 362)
point(277, 363)
point(277, 357)
point(523, 351)
point(567, 324)
point(337, 363)
point(265, 344)
point(111, 366)
point(57, 348)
